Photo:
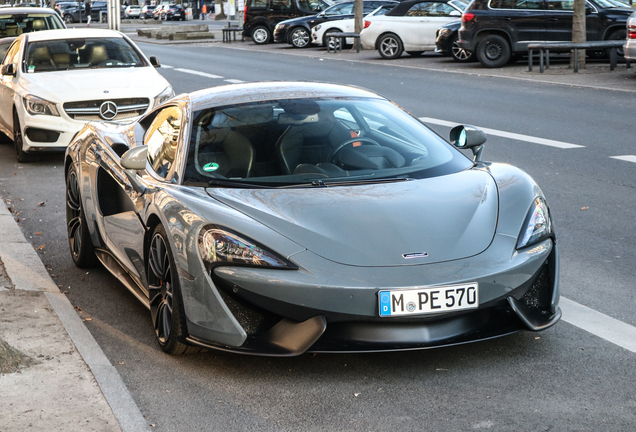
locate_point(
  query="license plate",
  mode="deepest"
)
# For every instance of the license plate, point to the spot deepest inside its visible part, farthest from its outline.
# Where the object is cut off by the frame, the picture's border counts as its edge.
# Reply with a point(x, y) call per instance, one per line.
point(421, 301)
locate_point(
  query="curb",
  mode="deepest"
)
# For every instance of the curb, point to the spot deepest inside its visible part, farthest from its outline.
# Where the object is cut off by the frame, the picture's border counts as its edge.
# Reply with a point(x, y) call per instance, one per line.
point(27, 274)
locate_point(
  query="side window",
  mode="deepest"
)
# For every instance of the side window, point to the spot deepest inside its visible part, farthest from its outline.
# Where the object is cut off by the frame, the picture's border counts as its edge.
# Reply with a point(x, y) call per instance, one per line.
point(436, 9)
point(343, 9)
point(281, 4)
point(162, 139)
point(567, 5)
point(258, 4)
point(13, 54)
point(517, 4)
point(415, 10)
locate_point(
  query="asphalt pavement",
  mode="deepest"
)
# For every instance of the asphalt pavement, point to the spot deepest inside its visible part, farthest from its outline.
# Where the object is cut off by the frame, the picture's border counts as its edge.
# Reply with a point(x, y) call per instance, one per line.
point(54, 376)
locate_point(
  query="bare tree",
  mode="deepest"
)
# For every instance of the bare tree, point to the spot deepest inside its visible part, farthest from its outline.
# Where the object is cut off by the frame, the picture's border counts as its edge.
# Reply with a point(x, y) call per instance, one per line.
point(578, 31)
point(358, 14)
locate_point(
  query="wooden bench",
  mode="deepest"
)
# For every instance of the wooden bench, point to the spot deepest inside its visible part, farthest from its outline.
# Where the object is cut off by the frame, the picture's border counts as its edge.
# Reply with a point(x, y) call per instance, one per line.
point(228, 31)
point(545, 48)
point(343, 39)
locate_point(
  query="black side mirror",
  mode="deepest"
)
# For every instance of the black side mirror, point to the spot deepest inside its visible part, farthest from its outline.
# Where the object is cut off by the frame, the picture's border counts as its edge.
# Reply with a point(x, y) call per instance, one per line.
point(588, 10)
point(154, 61)
point(8, 69)
point(467, 136)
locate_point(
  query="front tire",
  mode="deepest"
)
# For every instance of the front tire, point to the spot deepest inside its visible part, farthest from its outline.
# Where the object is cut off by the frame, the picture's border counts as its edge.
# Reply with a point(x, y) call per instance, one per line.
point(618, 35)
point(460, 54)
point(493, 51)
point(261, 35)
point(299, 37)
point(166, 304)
point(390, 46)
point(79, 239)
point(20, 155)
point(331, 43)
point(68, 19)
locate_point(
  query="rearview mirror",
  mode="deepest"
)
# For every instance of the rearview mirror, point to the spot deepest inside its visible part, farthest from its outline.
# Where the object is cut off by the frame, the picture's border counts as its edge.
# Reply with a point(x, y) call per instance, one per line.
point(154, 61)
point(467, 136)
point(135, 158)
point(8, 69)
point(455, 13)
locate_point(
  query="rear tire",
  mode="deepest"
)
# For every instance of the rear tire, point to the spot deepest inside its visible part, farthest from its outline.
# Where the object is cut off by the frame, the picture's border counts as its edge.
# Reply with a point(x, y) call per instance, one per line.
point(493, 51)
point(261, 35)
point(460, 54)
point(331, 43)
point(618, 35)
point(390, 46)
point(79, 239)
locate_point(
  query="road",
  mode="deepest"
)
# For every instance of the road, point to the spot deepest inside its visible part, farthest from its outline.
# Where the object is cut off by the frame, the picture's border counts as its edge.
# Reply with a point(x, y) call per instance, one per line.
point(563, 379)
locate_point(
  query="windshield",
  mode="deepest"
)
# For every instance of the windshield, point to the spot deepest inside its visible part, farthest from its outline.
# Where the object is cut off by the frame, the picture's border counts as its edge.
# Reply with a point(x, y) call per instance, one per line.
point(16, 24)
point(72, 54)
point(611, 3)
point(314, 142)
point(459, 4)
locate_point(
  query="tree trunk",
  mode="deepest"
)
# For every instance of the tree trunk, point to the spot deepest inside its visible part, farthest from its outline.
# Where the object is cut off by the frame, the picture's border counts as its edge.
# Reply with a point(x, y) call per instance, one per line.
point(358, 12)
point(578, 31)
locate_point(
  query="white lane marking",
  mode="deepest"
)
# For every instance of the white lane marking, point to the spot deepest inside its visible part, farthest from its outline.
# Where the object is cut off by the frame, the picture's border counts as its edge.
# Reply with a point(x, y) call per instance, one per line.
point(626, 158)
point(603, 326)
point(234, 81)
point(514, 136)
point(167, 66)
point(203, 74)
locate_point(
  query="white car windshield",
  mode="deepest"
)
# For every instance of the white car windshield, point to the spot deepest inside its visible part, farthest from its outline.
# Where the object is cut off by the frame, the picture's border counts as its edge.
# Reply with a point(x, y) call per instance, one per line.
point(85, 53)
point(303, 141)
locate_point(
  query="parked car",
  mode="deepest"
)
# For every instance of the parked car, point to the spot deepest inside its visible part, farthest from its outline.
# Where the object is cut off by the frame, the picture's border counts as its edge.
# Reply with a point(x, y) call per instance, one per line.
point(158, 11)
point(16, 21)
point(261, 16)
point(57, 80)
point(630, 45)
point(500, 30)
point(78, 14)
point(173, 12)
point(446, 42)
point(343, 26)
point(132, 11)
point(146, 12)
point(5, 43)
point(297, 31)
point(411, 26)
point(241, 217)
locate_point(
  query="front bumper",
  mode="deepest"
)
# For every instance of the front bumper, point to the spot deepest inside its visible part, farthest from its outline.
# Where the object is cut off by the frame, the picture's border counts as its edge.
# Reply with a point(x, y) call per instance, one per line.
point(280, 33)
point(43, 133)
point(283, 313)
point(630, 49)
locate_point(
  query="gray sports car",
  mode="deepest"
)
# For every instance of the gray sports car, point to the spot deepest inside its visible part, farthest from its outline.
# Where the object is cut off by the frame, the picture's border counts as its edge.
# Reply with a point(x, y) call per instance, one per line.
point(286, 217)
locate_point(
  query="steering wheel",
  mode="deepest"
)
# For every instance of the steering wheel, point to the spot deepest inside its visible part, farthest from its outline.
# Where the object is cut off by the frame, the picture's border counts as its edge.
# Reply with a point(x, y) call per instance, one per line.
point(361, 140)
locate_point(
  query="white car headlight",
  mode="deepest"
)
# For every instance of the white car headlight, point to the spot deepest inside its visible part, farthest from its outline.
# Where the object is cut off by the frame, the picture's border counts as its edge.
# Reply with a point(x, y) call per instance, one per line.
point(164, 96)
point(38, 106)
point(219, 246)
point(317, 27)
point(537, 226)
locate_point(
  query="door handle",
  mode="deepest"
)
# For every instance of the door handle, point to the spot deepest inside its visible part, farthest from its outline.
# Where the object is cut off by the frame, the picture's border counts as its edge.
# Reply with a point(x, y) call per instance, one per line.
point(553, 19)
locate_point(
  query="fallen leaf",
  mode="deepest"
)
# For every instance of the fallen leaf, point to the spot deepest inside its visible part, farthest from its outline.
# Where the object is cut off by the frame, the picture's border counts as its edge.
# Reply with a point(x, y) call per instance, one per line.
point(121, 363)
point(41, 203)
point(584, 208)
point(356, 394)
point(89, 319)
point(38, 233)
point(41, 247)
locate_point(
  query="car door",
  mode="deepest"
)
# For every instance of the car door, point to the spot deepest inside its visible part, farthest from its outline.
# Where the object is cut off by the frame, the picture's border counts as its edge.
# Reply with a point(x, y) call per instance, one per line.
point(9, 84)
point(434, 15)
point(524, 20)
point(122, 203)
point(559, 17)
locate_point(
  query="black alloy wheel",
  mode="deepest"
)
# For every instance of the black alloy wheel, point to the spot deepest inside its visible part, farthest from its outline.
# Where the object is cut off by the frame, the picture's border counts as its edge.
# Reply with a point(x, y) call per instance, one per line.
point(493, 51)
point(79, 239)
point(458, 53)
point(299, 37)
point(166, 307)
point(68, 19)
point(390, 46)
point(20, 155)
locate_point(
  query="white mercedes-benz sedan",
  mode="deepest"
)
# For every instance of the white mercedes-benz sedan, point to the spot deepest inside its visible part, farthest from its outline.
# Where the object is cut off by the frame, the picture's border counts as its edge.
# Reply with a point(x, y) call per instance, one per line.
point(53, 82)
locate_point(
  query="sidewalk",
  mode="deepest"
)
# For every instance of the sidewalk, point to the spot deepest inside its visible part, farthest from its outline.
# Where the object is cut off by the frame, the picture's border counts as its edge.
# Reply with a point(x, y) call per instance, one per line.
point(50, 365)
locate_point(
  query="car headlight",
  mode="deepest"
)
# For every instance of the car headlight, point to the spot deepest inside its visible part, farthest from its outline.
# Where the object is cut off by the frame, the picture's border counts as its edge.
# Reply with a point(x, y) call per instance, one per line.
point(219, 246)
point(318, 27)
point(38, 106)
point(443, 32)
point(164, 96)
point(537, 226)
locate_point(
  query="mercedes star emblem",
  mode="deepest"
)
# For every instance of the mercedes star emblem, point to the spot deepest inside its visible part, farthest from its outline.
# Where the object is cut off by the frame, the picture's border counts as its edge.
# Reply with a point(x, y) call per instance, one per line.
point(108, 110)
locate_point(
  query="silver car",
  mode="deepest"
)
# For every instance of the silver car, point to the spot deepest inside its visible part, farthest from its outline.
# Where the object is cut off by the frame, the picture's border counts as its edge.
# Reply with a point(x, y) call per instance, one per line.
point(630, 45)
point(281, 218)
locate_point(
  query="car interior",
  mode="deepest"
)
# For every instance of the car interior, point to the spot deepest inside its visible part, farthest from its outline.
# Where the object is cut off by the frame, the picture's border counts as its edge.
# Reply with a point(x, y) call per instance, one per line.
point(15, 25)
point(298, 140)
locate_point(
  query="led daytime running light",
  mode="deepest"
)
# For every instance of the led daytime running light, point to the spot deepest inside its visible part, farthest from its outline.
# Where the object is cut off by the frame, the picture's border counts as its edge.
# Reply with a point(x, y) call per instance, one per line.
point(38, 106)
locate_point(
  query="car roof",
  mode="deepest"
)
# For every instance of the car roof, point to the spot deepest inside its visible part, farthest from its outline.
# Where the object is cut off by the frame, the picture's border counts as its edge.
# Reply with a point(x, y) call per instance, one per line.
point(72, 34)
point(235, 94)
point(26, 10)
point(404, 6)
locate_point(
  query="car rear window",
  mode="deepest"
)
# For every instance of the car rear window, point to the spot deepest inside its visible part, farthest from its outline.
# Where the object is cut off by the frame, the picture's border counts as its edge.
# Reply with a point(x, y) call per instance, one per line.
point(16, 24)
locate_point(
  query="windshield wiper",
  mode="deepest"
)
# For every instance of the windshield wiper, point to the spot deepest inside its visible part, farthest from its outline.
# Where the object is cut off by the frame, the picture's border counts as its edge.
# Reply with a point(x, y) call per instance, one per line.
point(230, 183)
point(361, 181)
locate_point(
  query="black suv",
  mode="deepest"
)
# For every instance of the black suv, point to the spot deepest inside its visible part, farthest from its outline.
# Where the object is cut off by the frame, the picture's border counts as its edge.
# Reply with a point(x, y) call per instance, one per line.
point(261, 16)
point(78, 13)
point(500, 30)
point(297, 31)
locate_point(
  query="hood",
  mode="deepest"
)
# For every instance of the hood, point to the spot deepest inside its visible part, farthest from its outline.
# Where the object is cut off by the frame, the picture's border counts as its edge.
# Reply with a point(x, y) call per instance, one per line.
point(89, 84)
point(391, 224)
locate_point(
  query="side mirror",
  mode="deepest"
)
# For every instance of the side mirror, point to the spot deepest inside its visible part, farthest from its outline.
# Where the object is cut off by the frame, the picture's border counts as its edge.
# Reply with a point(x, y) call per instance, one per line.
point(8, 69)
point(154, 61)
point(466, 136)
point(133, 160)
point(455, 13)
point(588, 10)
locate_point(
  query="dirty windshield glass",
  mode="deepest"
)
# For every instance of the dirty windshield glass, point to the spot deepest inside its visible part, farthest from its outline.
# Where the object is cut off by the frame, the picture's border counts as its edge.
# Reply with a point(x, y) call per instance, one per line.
point(314, 141)
point(16, 24)
point(86, 53)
